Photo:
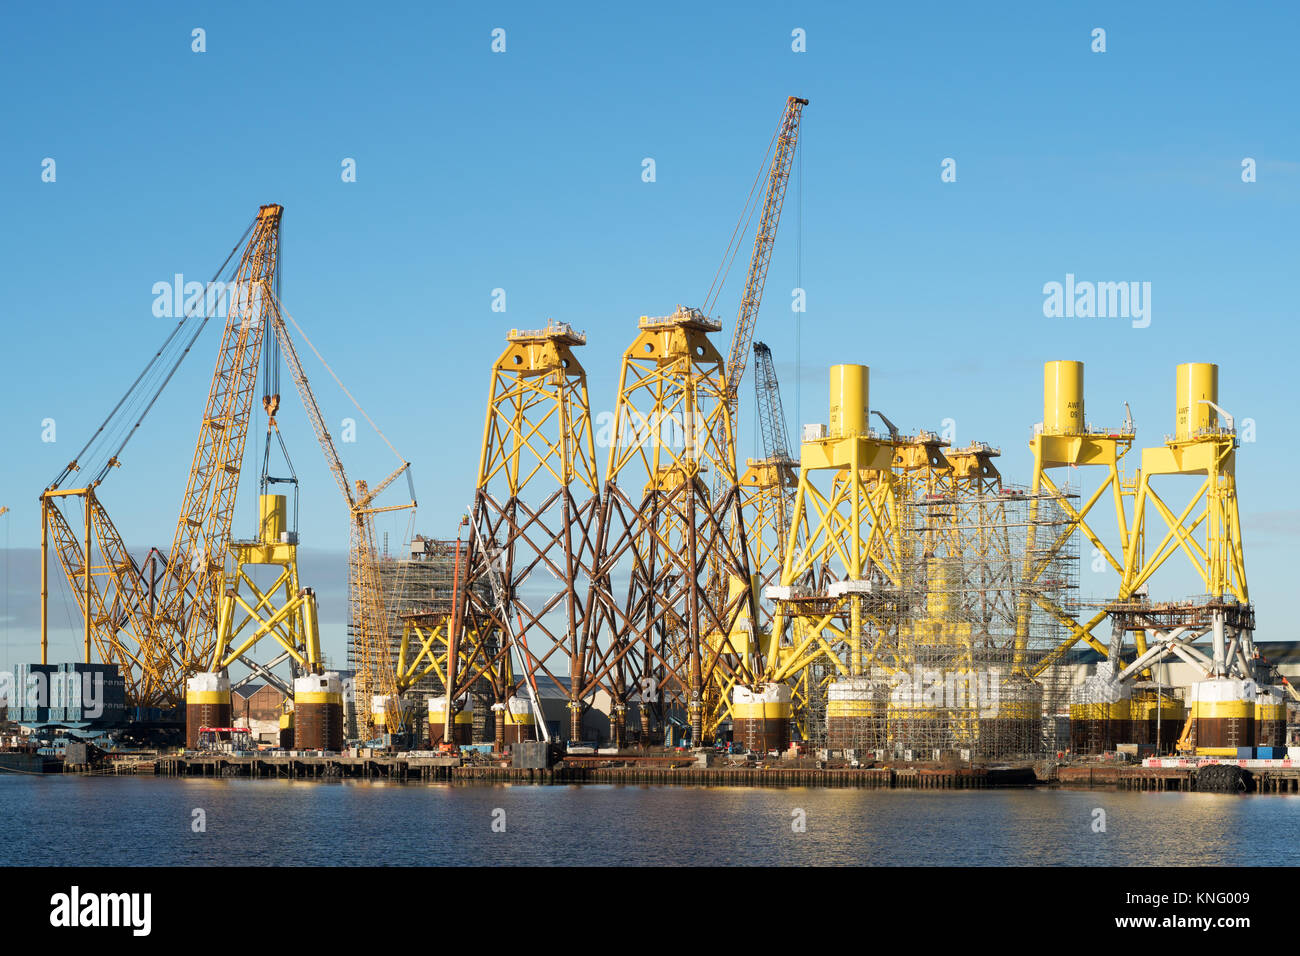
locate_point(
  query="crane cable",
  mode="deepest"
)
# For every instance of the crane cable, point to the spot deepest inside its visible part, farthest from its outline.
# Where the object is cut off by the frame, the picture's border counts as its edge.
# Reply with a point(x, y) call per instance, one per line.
point(150, 368)
point(798, 284)
point(337, 380)
point(733, 245)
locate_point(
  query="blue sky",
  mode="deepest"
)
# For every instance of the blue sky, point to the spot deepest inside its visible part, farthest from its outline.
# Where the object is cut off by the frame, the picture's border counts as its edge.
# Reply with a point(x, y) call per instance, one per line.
point(522, 170)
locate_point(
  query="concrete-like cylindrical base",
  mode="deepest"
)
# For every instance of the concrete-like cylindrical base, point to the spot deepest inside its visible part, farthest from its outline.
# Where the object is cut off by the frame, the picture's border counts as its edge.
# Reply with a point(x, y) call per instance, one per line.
point(318, 712)
point(1011, 725)
point(914, 723)
point(286, 731)
point(1157, 719)
point(855, 714)
point(207, 704)
point(1101, 716)
point(1270, 717)
point(520, 724)
point(1223, 716)
point(761, 717)
point(462, 722)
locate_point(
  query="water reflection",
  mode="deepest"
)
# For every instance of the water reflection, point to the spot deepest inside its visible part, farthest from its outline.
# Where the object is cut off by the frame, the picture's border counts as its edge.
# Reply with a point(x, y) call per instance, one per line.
point(253, 822)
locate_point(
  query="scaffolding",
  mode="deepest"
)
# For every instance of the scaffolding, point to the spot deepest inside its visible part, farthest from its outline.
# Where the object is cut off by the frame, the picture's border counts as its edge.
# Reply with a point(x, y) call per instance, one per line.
point(420, 584)
point(949, 672)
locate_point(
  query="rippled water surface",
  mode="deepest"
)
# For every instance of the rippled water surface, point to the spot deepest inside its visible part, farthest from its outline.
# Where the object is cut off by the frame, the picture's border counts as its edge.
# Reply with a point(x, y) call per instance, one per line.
point(146, 821)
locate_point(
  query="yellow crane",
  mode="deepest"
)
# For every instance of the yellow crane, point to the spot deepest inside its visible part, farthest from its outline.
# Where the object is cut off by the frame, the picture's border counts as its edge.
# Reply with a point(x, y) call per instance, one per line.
point(778, 178)
point(376, 683)
point(159, 631)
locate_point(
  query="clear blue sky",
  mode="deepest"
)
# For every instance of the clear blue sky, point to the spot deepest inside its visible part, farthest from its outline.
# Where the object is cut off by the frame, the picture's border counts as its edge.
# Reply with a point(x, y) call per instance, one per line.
point(522, 171)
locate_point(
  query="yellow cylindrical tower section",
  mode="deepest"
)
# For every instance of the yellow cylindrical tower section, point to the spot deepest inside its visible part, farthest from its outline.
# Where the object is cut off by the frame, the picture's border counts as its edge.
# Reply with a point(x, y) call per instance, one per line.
point(1063, 398)
point(850, 400)
point(1197, 382)
point(271, 518)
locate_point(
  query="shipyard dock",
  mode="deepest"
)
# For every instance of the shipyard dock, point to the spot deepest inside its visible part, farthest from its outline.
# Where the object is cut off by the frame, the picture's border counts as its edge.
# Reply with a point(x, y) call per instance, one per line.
point(1278, 777)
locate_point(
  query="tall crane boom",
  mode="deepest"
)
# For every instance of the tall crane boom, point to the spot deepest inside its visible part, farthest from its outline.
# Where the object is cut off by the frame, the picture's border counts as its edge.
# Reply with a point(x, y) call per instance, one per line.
point(771, 415)
point(375, 676)
point(778, 178)
point(777, 474)
point(197, 557)
point(160, 629)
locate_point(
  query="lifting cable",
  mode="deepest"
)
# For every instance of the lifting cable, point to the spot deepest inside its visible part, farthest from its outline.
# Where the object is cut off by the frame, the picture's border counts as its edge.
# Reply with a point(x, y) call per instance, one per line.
point(282, 311)
point(150, 368)
point(746, 216)
point(798, 284)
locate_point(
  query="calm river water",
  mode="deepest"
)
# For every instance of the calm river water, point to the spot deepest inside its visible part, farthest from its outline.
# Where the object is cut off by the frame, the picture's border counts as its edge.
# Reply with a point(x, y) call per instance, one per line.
point(57, 820)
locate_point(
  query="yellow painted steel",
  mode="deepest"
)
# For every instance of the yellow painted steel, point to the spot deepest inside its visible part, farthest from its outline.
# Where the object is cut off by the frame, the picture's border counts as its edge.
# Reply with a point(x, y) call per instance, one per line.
point(1020, 710)
point(207, 697)
point(850, 402)
point(317, 697)
point(854, 708)
point(284, 611)
point(1064, 443)
point(767, 490)
point(368, 610)
point(1198, 382)
point(539, 418)
point(1063, 398)
point(849, 533)
point(672, 425)
point(272, 521)
point(537, 464)
point(1208, 528)
point(161, 632)
point(1223, 709)
point(761, 710)
point(1270, 711)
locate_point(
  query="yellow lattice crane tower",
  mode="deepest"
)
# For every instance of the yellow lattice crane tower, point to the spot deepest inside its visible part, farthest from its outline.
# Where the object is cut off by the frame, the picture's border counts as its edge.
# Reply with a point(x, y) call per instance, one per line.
point(782, 149)
point(768, 484)
point(376, 688)
point(160, 631)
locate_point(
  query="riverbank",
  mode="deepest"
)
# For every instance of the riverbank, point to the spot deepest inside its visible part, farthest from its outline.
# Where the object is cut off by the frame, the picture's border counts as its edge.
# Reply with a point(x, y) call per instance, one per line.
point(692, 770)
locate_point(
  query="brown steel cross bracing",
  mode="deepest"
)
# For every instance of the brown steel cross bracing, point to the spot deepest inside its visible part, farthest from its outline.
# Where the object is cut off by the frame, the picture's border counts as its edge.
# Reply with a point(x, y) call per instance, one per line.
point(536, 499)
point(669, 632)
point(368, 606)
point(656, 635)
